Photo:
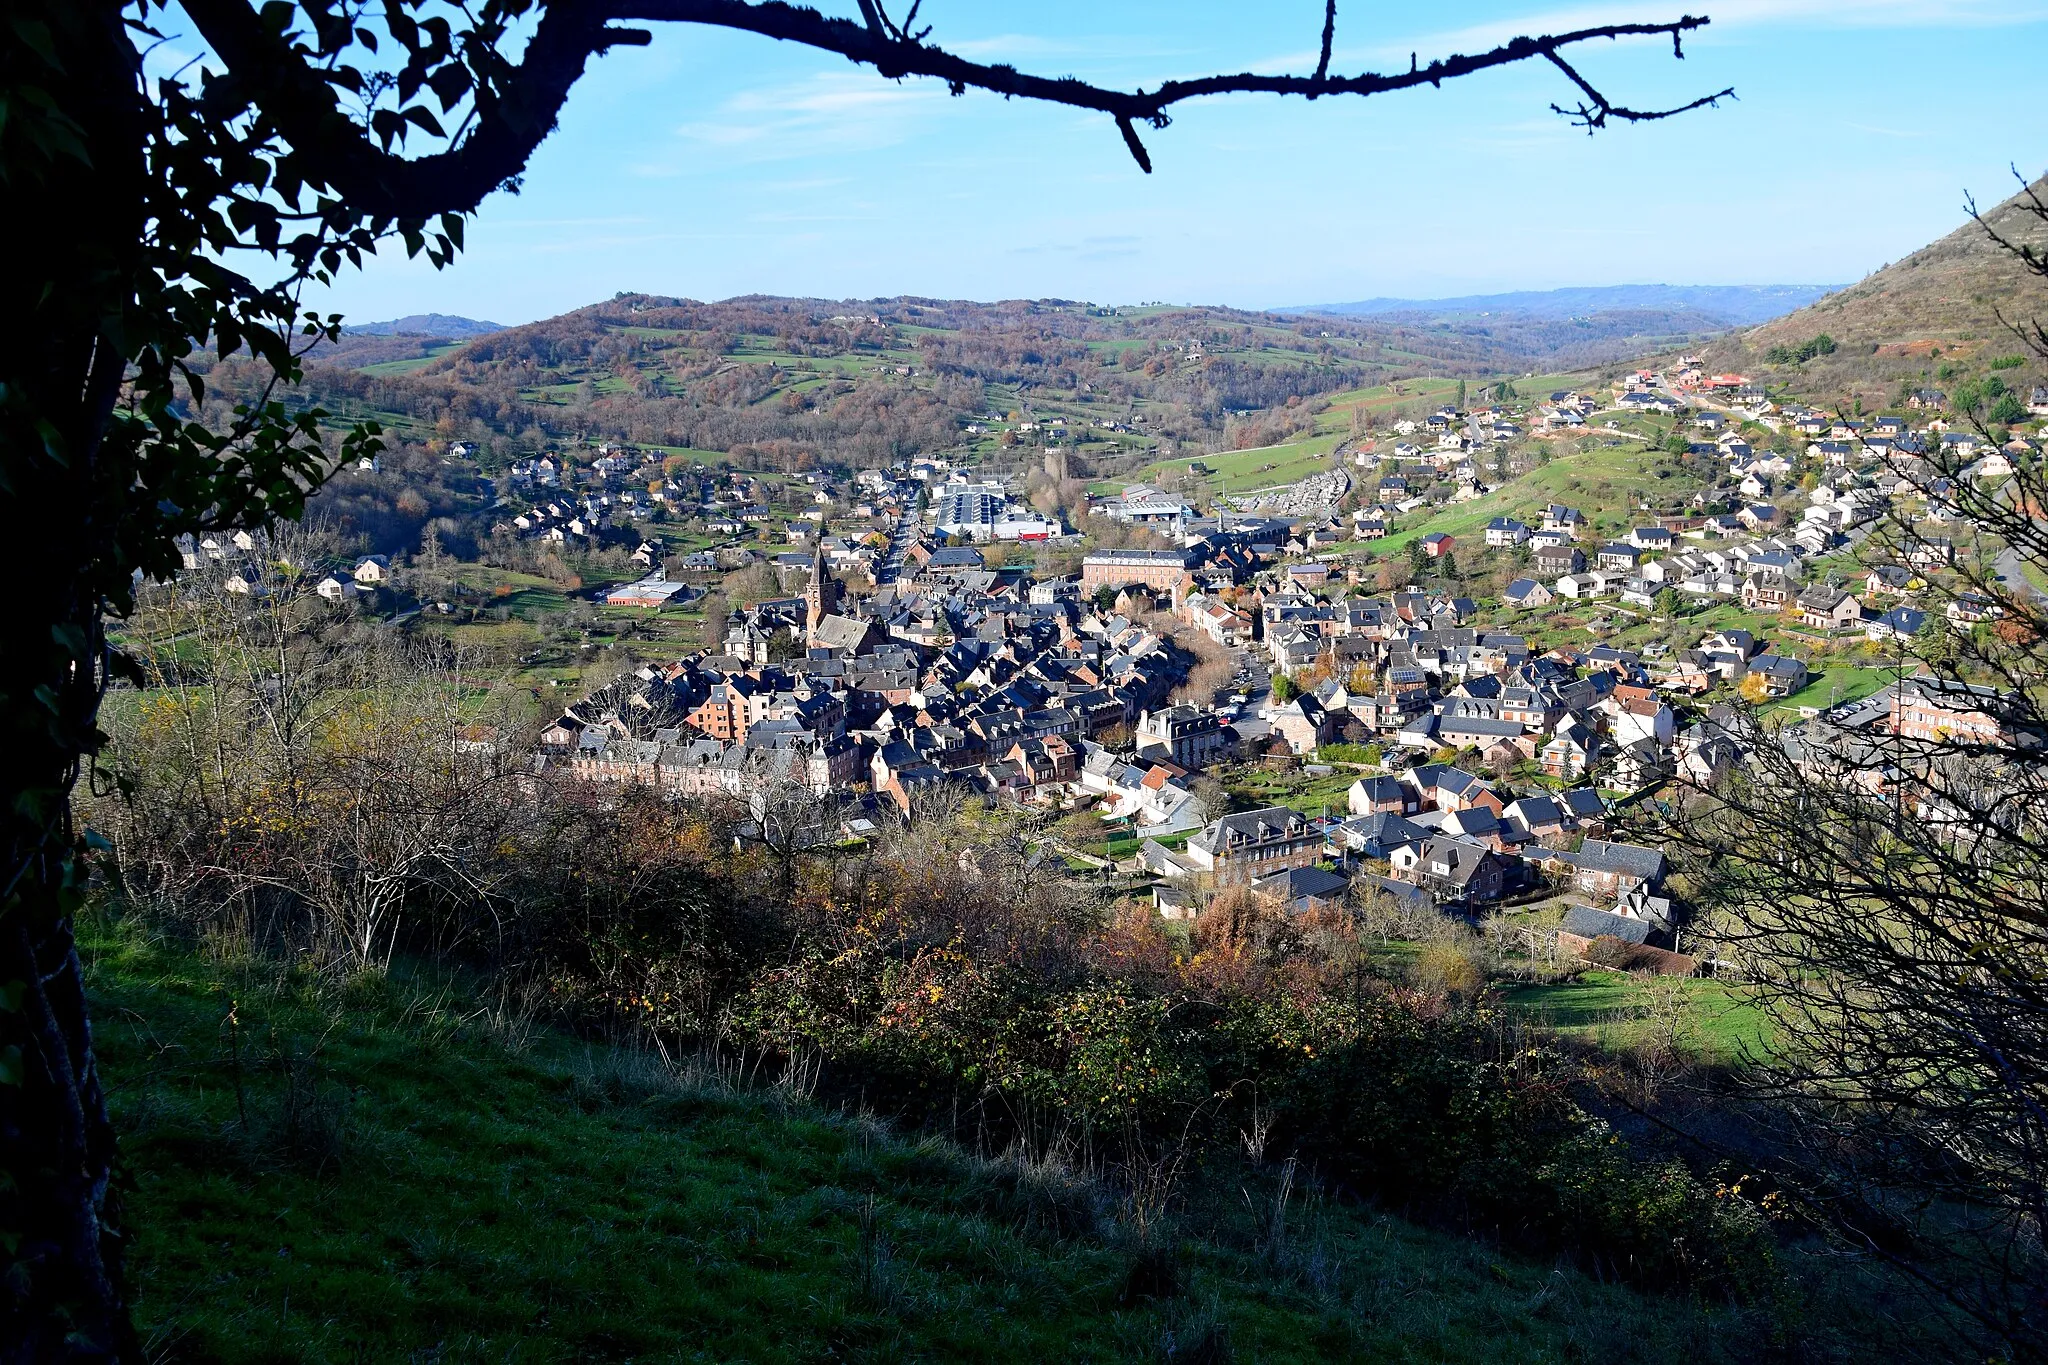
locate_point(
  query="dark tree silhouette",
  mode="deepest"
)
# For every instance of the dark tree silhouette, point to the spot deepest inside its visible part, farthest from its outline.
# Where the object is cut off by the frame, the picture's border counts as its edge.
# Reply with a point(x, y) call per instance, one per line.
point(154, 218)
point(1881, 872)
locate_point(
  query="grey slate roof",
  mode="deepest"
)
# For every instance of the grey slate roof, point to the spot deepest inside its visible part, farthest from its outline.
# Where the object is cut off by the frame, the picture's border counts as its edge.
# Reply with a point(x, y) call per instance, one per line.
point(1631, 859)
point(1376, 835)
point(1297, 882)
point(1587, 922)
point(1584, 802)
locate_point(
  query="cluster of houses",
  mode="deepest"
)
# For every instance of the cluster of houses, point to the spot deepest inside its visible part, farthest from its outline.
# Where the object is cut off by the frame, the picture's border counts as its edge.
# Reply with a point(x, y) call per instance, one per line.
point(1440, 835)
point(619, 486)
point(240, 564)
point(565, 520)
point(553, 499)
point(1411, 672)
point(957, 677)
point(1433, 835)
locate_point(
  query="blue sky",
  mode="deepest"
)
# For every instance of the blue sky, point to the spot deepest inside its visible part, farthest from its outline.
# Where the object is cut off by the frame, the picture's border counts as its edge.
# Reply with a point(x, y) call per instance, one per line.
point(715, 164)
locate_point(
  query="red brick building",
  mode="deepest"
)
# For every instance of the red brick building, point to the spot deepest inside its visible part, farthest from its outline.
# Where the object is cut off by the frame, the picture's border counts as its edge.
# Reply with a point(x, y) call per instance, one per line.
point(1159, 570)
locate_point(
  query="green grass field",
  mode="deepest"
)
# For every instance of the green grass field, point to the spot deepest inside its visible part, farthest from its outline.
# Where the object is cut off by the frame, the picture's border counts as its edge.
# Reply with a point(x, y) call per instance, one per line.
point(1833, 684)
point(525, 595)
point(434, 353)
point(1273, 466)
point(387, 1170)
point(1610, 1008)
point(1125, 846)
point(1252, 786)
point(1240, 471)
point(1605, 483)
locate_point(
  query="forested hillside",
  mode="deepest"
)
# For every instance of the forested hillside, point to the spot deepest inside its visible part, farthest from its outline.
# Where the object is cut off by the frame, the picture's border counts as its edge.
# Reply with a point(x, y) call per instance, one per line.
point(866, 383)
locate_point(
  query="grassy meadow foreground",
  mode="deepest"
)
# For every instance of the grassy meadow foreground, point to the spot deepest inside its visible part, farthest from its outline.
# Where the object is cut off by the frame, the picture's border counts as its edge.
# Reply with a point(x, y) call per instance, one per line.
point(389, 1171)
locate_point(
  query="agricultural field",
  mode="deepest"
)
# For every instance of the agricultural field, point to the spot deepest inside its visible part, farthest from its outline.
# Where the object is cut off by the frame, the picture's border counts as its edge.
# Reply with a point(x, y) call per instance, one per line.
point(433, 353)
point(1239, 471)
point(1243, 471)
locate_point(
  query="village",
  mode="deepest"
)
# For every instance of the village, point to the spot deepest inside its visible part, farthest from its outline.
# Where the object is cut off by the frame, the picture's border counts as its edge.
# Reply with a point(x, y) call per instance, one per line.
point(1488, 765)
point(1471, 700)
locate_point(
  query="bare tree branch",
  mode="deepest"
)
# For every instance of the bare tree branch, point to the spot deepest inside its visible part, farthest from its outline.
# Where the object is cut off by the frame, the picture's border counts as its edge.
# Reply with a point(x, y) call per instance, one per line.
point(1329, 37)
point(512, 116)
point(303, 104)
point(1593, 112)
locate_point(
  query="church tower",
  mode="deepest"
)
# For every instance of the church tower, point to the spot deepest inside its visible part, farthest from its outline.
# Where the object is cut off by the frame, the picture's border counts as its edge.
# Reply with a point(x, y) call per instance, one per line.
point(821, 598)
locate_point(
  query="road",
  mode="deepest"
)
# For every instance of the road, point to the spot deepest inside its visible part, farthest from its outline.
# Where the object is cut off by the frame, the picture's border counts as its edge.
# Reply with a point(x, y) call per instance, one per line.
point(892, 563)
point(2010, 569)
point(1251, 679)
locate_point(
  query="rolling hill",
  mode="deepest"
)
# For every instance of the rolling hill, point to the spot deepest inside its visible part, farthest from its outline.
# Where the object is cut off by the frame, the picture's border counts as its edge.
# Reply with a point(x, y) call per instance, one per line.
point(1930, 319)
point(866, 381)
point(425, 324)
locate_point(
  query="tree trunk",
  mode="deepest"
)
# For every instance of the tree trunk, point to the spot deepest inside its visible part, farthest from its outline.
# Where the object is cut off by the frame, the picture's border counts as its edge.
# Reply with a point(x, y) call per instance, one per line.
point(73, 169)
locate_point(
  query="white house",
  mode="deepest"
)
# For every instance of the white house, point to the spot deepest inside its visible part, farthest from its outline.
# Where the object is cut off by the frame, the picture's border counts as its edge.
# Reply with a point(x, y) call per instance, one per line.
point(1576, 586)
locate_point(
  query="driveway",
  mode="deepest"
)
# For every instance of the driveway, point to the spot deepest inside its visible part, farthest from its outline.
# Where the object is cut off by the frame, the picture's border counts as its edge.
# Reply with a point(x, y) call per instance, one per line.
point(2010, 569)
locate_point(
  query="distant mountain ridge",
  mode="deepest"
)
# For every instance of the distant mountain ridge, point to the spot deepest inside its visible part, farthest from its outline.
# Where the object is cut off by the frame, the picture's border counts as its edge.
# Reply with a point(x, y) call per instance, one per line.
point(424, 324)
point(1731, 305)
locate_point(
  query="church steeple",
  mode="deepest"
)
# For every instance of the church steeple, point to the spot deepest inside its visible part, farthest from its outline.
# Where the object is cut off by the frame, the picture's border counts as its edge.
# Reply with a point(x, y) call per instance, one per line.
point(821, 598)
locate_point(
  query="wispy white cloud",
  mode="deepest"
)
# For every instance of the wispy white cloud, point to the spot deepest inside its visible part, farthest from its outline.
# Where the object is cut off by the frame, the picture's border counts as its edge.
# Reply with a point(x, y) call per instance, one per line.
point(583, 246)
point(830, 112)
point(817, 218)
point(1009, 45)
point(1096, 51)
point(1104, 247)
point(815, 182)
point(1727, 15)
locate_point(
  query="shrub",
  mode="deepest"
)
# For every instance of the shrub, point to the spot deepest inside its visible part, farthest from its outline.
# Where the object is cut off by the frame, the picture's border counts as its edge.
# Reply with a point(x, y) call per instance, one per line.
point(1803, 352)
point(1386, 1094)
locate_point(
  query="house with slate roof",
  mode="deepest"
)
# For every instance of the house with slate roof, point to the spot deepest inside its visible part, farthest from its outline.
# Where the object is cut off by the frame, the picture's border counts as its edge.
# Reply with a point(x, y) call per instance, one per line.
point(1251, 844)
point(1302, 890)
point(1452, 869)
point(1609, 870)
